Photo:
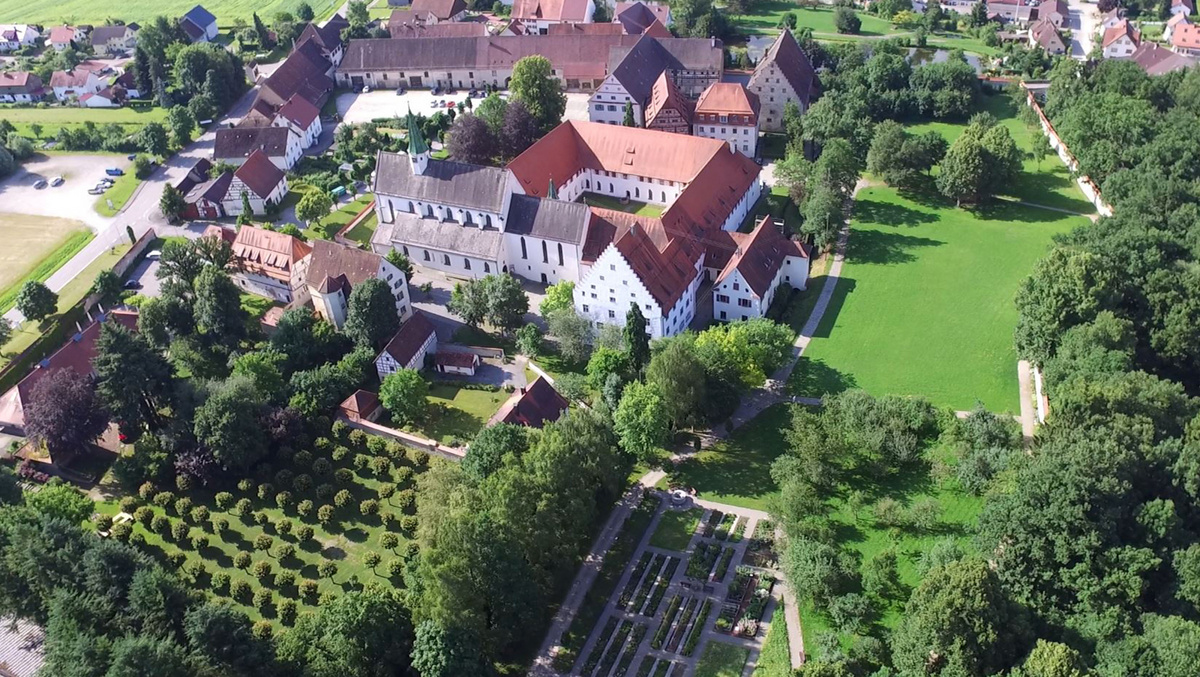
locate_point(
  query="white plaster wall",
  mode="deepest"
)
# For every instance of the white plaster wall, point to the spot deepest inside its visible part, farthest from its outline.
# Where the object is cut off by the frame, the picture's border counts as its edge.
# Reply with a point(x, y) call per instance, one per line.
point(533, 265)
point(612, 94)
point(387, 206)
point(741, 138)
point(609, 286)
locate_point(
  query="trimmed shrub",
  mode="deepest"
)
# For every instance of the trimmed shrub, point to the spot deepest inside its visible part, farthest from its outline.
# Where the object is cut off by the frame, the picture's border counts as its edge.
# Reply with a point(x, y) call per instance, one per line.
point(199, 542)
point(308, 588)
point(387, 490)
point(199, 514)
point(409, 524)
point(305, 508)
point(224, 499)
point(342, 498)
point(418, 458)
point(263, 542)
point(369, 507)
point(284, 477)
point(263, 630)
point(193, 569)
point(241, 560)
point(405, 499)
point(160, 524)
point(389, 540)
point(128, 504)
point(340, 453)
point(343, 475)
point(285, 579)
point(243, 507)
point(147, 491)
point(395, 568)
point(372, 559)
point(304, 533)
point(302, 483)
point(261, 569)
point(322, 466)
point(122, 531)
point(183, 482)
point(324, 491)
point(284, 500)
point(220, 525)
point(287, 610)
point(183, 506)
point(245, 485)
point(325, 514)
point(263, 598)
point(143, 515)
point(220, 581)
point(404, 475)
point(381, 465)
point(284, 526)
point(176, 559)
point(163, 498)
point(265, 491)
point(239, 589)
point(303, 459)
point(261, 519)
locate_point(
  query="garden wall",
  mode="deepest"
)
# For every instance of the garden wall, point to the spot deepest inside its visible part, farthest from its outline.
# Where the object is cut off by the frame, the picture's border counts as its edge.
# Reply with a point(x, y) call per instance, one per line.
point(1089, 187)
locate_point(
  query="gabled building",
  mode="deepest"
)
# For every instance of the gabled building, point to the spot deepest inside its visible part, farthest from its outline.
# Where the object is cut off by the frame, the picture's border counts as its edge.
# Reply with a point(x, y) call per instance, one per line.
point(1012, 11)
point(1172, 24)
point(1120, 40)
point(668, 110)
point(403, 25)
point(306, 72)
point(203, 193)
point(110, 40)
point(1112, 18)
point(18, 36)
point(107, 97)
point(532, 406)
point(263, 183)
point(199, 25)
point(439, 11)
point(1185, 39)
point(640, 17)
point(302, 118)
point(415, 339)
point(784, 75)
point(328, 38)
point(335, 269)
point(752, 267)
point(693, 64)
point(538, 15)
point(75, 83)
point(728, 112)
point(1158, 60)
point(1045, 34)
point(280, 144)
point(1187, 7)
point(20, 87)
point(1054, 11)
point(76, 354)
point(62, 37)
point(128, 82)
point(272, 265)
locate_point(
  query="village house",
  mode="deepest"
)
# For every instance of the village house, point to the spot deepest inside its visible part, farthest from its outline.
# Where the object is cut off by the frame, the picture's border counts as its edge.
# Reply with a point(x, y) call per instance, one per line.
point(668, 110)
point(1185, 39)
point(532, 406)
point(114, 40)
point(403, 27)
point(1172, 24)
point(693, 64)
point(760, 262)
point(784, 75)
point(280, 144)
point(1187, 7)
point(306, 72)
point(202, 193)
point(1045, 34)
point(271, 264)
point(456, 362)
point(729, 113)
point(107, 97)
point(335, 269)
point(363, 405)
point(643, 17)
point(75, 83)
point(62, 37)
point(1120, 40)
point(263, 184)
point(18, 36)
point(429, 13)
point(538, 15)
point(199, 24)
point(1054, 11)
point(20, 87)
point(328, 38)
point(1012, 11)
point(415, 339)
point(1155, 59)
point(302, 118)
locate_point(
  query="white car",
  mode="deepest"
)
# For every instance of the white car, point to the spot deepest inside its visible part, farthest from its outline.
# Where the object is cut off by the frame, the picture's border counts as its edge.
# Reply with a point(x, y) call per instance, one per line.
point(154, 255)
point(366, 90)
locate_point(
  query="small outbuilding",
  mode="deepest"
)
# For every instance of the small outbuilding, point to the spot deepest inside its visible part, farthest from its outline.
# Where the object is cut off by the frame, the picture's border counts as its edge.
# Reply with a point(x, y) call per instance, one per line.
point(457, 363)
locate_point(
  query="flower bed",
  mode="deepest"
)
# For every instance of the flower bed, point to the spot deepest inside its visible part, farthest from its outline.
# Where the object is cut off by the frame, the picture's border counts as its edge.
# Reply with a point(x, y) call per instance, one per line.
point(651, 579)
point(760, 550)
point(593, 658)
point(702, 560)
point(681, 625)
point(618, 643)
point(635, 639)
point(743, 578)
point(635, 577)
point(710, 525)
point(723, 565)
point(697, 628)
point(725, 525)
point(660, 588)
point(738, 530)
point(646, 667)
point(664, 626)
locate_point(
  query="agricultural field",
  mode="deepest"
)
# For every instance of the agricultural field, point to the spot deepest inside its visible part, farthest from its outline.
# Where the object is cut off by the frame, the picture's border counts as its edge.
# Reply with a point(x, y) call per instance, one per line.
point(83, 11)
point(335, 515)
point(54, 117)
point(35, 247)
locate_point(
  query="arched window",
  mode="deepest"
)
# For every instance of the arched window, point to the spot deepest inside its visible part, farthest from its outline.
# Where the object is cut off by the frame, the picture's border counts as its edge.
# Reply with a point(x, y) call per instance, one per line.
point(524, 253)
point(405, 249)
point(466, 264)
point(486, 267)
point(467, 219)
point(446, 259)
point(610, 188)
point(487, 220)
point(560, 255)
point(411, 209)
point(430, 211)
point(545, 254)
point(637, 192)
point(664, 195)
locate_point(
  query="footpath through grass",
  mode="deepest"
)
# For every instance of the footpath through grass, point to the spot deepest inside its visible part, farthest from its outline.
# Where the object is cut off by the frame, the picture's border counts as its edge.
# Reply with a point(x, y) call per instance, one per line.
point(924, 305)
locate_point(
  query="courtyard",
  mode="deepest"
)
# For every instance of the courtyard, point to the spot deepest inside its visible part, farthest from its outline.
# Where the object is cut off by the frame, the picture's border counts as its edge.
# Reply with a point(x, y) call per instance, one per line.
point(695, 593)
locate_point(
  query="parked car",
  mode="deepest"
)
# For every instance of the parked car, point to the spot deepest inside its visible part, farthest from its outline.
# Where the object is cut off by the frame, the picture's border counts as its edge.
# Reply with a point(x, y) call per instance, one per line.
point(131, 156)
point(154, 255)
point(95, 191)
point(433, 103)
point(450, 104)
point(101, 187)
point(472, 94)
point(436, 90)
point(115, 171)
point(56, 181)
point(40, 184)
point(400, 90)
point(133, 284)
point(366, 89)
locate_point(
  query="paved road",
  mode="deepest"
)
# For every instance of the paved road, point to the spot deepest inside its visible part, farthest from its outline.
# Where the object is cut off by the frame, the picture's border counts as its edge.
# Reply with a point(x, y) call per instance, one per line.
point(141, 212)
point(1084, 22)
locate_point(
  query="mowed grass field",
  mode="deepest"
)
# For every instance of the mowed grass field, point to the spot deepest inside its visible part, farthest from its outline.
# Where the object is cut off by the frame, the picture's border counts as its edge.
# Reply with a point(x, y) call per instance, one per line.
point(767, 14)
point(51, 119)
point(34, 247)
point(84, 11)
point(924, 305)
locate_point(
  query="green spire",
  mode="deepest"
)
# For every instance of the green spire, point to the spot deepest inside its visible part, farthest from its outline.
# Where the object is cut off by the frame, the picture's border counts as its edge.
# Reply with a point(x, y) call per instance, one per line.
point(416, 140)
point(552, 193)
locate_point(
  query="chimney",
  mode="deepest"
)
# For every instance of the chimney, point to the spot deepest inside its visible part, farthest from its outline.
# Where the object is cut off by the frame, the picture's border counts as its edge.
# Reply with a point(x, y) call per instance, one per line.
point(713, 41)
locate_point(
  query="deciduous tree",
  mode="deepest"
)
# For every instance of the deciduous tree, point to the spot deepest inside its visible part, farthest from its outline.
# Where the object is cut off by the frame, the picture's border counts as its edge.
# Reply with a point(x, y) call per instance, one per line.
point(35, 301)
point(533, 85)
point(404, 394)
point(371, 317)
point(64, 415)
point(641, 420)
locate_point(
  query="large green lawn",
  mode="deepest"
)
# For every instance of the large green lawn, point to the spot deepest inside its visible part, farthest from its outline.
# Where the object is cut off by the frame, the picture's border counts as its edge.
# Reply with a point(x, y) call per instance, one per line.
point(84, 11)
point(767, 14)
point(456, 413)
point(53, 117)
point(1046, 182)
point(738, 470)
point(675, 529)
point(924, 305)
point(615, 204)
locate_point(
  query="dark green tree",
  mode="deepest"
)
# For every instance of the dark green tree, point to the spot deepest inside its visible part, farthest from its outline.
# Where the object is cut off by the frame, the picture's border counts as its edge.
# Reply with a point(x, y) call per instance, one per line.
point(637, 339)
point(371, 317)
point(229, 423)
point(133, 380)
point(35, 301)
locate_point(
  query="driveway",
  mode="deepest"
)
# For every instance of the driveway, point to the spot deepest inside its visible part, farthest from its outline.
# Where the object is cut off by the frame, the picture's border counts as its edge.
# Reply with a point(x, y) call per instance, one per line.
point(1084, 22)
point(71, 199)
point(356, 108)
point(146, 275)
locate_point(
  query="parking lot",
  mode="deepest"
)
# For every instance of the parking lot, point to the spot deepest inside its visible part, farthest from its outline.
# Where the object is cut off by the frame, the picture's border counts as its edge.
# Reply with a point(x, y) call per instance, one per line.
point(143, 279)
point(357, 108)
point(70, 200)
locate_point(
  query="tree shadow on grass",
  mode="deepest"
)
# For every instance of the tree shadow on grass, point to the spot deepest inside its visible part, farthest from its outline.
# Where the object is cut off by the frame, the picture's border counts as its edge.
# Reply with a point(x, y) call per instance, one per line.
point(890, 213)
point(885, 248)
point(356, 534)
point(815, 378)
point(333, 553)
point(1016, 213)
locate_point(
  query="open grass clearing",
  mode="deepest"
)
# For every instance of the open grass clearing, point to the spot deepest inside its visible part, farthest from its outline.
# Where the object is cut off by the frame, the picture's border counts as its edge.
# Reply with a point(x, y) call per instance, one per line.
point(629, 206)
point(924, 305)
point(144, 11)
point(53, 117)
point(738, 470)
point(458, 413)
point(722, 660)
point(1045, 182)
point(675, 529)
point(767, 14)
point(35, 247)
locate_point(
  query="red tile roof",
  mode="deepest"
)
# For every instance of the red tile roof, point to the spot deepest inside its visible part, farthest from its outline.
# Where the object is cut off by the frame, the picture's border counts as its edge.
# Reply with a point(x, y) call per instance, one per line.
point(19, 83)
point(259, 174)
point(759, 254)
point(403, 25)
point(220, 233)
point(550, 10)
point(269, 253)
point(1186, 36)
point(787, 56)
point(456, 359)
point(76, 77)
point(299, 111)
point(362, 402)
point(533, 406)
point(61, 35)
point(1123, 29)
point(413, 334)
point(586, 29)
point(665, 95)
point(728, 98)
point(442, 9)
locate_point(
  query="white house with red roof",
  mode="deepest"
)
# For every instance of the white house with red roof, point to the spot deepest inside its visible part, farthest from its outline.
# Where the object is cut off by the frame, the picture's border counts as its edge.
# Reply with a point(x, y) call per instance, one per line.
point(1187, 7)
point(727, 111)
point(75, 83)
point(20, 87)
point(271, 264)
point(300, 116)
point(1120, 41)
point(263, 183)
point(61, 37)
point(416, 338)
point(105, 98)
point(18, 36)
point(538, 15)
point(760, 261)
